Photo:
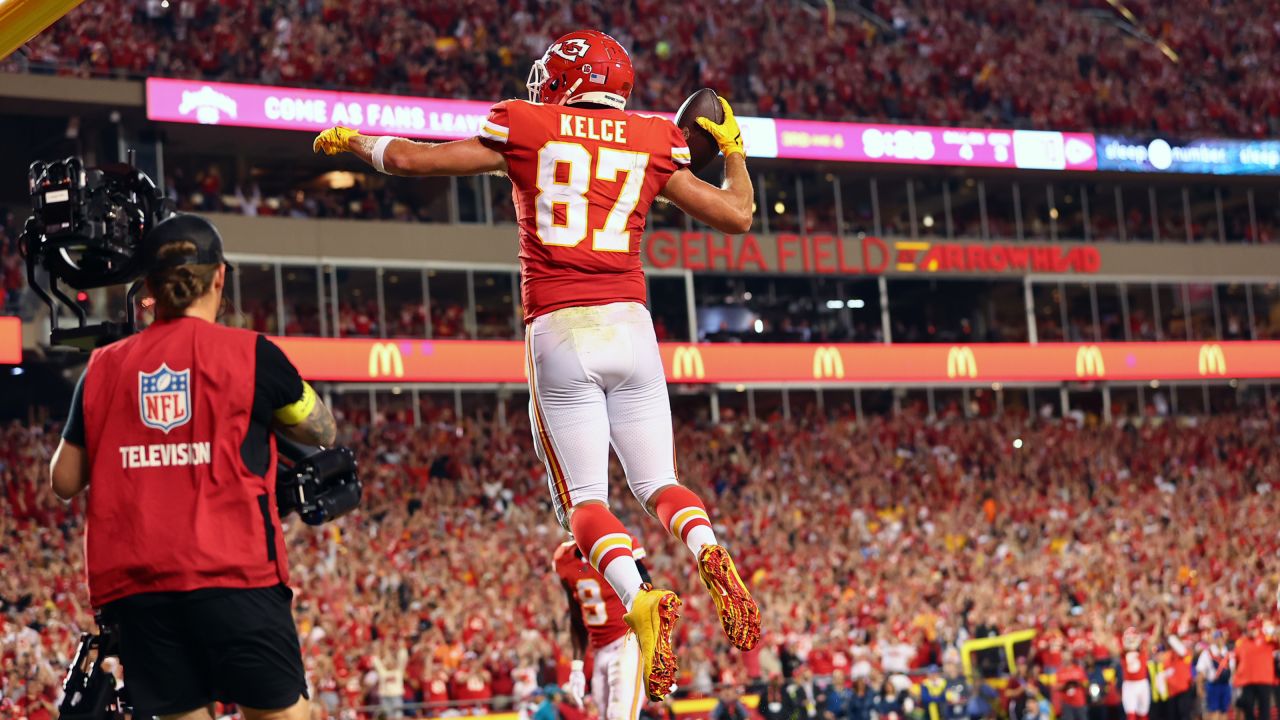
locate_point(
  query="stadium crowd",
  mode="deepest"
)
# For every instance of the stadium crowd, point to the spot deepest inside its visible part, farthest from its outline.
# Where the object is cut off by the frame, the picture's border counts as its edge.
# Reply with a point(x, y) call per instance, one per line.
point(13, 271)
point(873, 549)
point(1060, 64)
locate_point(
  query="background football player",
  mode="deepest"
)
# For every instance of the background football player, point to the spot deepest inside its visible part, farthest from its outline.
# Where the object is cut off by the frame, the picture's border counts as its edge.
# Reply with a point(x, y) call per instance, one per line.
point(596, 620)
point(1135, 690)
point(584, 173)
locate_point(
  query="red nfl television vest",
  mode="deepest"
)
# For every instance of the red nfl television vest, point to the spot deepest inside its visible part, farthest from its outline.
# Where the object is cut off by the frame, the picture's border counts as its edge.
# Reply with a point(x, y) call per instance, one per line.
point(172, 506)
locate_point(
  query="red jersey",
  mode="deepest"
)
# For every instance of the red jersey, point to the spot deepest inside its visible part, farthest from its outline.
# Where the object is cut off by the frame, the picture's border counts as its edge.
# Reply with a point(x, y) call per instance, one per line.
point(601, 608)
point(471, 688)
point(1073, 682)
point(1134, 666)
point(1254, 662)
point(582, 183)
point(173, 506)
point(1178, 673)
point(437, 690)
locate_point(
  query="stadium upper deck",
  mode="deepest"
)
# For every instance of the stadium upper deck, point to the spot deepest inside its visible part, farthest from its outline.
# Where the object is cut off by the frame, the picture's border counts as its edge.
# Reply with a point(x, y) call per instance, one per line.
point(862, 233)
point(1168, 67)
point(840, 252)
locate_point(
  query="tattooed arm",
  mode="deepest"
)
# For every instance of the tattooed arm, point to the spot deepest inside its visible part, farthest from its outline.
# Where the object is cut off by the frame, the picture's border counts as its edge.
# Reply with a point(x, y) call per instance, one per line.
point(316, 428)
point(414, 159)
point(296, 412)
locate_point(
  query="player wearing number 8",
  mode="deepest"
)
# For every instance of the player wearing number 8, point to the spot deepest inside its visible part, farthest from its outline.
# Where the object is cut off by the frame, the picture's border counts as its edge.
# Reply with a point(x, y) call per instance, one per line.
point(596, 620)
point(584, 173)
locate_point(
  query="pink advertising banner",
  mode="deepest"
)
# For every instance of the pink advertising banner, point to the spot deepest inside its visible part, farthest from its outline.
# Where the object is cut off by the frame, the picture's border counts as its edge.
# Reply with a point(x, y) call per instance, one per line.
point(913, 144)
point(262, 106)
point(280, 108)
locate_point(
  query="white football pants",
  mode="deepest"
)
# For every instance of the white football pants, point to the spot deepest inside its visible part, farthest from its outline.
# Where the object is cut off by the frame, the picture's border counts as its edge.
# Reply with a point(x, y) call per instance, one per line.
point(596, 380)
point(616, 682)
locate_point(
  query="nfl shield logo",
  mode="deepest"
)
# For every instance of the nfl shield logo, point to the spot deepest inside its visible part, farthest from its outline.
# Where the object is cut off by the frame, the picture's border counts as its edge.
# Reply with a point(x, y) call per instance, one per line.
point(164, 398)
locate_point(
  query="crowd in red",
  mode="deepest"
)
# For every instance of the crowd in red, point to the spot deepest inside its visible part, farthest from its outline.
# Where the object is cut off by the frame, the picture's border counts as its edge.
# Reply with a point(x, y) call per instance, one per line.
point(1064, 64)
point(439, 589)
point(13, 271)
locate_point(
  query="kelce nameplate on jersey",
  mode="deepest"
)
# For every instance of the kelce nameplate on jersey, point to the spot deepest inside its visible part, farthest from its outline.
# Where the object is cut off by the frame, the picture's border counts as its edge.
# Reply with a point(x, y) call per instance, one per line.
point(583, 127)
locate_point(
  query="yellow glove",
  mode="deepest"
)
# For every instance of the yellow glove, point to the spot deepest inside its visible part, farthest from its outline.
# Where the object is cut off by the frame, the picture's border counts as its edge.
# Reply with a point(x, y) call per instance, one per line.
point(727, 134)
point(333, 141)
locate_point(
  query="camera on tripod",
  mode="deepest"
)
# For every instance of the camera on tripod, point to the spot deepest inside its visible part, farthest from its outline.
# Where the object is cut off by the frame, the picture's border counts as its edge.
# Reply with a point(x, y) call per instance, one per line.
point(89, 689)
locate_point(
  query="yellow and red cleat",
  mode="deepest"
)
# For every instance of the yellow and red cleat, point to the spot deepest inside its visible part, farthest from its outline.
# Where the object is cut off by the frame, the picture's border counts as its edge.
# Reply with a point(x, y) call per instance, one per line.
point(739, 615)
point(653, 619)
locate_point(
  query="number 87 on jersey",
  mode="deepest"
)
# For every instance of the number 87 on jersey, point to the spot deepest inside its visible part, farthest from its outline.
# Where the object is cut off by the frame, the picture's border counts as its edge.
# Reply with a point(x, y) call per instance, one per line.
point(583, 179)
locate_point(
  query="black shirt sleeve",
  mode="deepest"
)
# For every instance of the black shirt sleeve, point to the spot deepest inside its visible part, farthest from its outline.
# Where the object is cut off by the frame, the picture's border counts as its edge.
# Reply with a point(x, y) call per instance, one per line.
point(276, 384)
point(277, 381)
point(73, 431)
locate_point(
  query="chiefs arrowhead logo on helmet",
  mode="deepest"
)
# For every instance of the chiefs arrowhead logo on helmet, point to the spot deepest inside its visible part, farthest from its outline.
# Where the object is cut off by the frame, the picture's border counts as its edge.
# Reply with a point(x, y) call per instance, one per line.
point(586, 66)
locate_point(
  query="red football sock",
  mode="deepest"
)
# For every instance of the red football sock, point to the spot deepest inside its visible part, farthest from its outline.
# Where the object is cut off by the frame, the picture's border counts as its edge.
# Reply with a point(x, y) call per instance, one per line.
point(684, 515)
point(606, 544)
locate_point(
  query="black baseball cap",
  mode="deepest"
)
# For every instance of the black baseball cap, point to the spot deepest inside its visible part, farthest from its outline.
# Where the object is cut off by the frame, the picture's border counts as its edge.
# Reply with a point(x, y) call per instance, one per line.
point(189, 228)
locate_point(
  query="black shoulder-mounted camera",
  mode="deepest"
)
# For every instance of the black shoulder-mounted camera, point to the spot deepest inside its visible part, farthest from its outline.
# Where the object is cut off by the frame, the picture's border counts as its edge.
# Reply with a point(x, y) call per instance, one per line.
point(87, 230)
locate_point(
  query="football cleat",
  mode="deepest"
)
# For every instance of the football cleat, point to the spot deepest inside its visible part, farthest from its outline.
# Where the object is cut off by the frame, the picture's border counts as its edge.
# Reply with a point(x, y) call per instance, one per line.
point(653, 619)
point(739, 614)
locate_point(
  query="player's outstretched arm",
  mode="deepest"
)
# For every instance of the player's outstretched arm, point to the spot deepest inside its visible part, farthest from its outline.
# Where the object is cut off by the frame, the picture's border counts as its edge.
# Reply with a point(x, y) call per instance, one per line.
point(726, 208)
point(398, 156)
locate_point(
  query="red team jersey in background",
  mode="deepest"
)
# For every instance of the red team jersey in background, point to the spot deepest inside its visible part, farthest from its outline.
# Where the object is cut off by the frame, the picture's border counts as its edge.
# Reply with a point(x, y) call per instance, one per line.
point(1134, 665)
point(601, 608)
point(582, 183)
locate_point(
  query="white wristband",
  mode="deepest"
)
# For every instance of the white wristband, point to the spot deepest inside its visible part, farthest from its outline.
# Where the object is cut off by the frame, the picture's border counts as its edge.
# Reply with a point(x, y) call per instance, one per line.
point(379, 149)
point(576, 666)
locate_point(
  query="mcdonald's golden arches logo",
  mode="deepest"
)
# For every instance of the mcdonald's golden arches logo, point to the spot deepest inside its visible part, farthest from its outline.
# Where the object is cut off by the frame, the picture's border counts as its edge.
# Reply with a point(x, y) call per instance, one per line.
point(385, 359)
point(688, 363)
point(961, 362)
point(1089, 362)
point(1212, 360)
point(828, 363)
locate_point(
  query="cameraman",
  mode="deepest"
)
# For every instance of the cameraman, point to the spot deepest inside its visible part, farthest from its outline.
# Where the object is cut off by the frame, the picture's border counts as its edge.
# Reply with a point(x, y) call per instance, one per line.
point(184, 549)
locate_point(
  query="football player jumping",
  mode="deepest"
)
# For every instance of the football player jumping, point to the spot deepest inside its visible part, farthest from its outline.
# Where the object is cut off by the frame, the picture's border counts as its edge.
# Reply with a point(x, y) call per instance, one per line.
point(584, 173)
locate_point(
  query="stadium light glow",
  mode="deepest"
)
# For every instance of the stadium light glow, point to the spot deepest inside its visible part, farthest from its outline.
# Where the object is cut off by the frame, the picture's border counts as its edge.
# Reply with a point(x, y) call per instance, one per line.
point(1017, 443)
point(835, 304)
point(857, 304)
point(339, 179)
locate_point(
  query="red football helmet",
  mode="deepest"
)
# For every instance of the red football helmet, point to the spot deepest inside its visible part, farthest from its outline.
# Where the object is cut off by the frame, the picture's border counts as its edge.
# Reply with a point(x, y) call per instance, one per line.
point(585, 66)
